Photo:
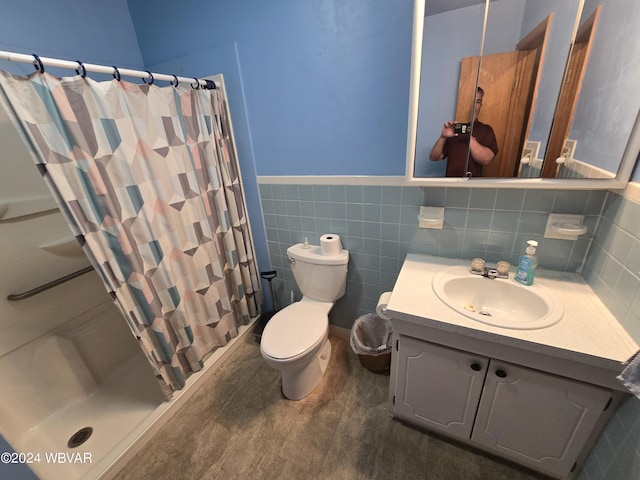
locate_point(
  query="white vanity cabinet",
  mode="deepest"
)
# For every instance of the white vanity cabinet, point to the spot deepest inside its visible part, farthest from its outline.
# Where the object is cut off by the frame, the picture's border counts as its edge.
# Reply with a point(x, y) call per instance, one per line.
point(537, 419)
point(539, 397)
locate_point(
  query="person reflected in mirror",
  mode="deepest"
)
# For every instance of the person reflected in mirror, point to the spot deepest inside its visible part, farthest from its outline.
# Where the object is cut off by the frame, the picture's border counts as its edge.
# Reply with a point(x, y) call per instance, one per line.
point(482, 146)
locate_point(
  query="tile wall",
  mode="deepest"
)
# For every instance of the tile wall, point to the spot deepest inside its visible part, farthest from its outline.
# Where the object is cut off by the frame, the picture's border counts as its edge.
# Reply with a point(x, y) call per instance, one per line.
point(616, 455)
point(612, 267)
point(613, 271)
point(379, 226)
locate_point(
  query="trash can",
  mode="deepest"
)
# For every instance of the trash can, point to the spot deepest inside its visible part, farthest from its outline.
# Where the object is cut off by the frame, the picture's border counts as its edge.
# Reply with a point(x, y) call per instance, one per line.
point(371, 340)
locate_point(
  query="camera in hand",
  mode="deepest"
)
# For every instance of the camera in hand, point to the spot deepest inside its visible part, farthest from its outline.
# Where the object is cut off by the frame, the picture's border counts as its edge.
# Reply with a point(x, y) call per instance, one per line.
point(462, 128)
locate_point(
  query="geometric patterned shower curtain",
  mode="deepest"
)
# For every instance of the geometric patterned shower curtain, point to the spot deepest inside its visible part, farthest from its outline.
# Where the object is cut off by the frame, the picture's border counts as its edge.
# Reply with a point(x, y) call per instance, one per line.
point(147, 178)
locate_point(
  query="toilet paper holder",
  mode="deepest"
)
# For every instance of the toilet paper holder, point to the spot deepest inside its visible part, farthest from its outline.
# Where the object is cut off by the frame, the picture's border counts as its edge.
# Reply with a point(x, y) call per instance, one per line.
point(381, 307)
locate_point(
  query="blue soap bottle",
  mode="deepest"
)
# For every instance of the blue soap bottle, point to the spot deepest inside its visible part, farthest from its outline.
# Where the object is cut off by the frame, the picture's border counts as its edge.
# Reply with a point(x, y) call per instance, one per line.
point(527, 265)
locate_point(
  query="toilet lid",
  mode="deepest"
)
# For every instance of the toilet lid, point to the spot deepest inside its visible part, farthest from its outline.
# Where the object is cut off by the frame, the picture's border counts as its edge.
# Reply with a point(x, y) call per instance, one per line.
point(294, 330)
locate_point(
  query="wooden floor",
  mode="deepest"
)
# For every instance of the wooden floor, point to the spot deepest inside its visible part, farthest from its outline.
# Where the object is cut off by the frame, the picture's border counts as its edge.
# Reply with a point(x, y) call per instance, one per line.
point(239, 426)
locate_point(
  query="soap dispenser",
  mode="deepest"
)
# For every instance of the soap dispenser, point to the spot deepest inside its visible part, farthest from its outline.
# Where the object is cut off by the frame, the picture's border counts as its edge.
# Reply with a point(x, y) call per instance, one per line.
point(528, 264)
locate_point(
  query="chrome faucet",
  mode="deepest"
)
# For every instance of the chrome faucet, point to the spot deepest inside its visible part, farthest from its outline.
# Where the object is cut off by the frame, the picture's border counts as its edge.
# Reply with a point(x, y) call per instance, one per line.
point(478, 267)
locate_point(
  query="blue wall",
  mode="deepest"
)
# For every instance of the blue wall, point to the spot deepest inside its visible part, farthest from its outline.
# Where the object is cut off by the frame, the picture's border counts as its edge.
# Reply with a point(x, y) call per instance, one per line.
point(90, 31)
point(321, 88)
point(326, 82)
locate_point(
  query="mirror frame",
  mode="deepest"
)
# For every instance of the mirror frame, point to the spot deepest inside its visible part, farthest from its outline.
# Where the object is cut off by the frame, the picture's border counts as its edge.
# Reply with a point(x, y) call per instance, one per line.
point(620, 181)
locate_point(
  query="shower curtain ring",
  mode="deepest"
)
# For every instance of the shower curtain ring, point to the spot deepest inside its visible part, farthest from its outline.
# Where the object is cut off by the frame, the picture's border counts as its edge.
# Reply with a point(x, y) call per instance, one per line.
point(38, 63)
point(116, 73)
point(150, 82)
point(197, 84)
point(81, 66)
point(175, 79)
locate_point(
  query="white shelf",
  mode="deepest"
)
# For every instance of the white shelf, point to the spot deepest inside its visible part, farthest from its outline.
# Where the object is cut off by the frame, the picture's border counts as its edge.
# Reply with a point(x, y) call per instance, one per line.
point(68, 247)
point(565, 226)
point(17, 208)
point(431, 217)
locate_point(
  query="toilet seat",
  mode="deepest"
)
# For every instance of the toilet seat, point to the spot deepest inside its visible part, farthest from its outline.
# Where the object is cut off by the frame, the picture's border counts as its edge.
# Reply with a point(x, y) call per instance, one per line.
point(294, 331)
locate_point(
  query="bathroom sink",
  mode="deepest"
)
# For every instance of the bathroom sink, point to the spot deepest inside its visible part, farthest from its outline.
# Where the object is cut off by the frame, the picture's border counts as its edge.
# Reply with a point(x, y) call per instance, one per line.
point(498, 302)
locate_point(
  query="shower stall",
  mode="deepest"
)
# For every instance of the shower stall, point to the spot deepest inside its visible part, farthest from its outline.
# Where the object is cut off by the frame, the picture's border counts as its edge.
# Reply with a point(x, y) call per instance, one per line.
point(78, 391)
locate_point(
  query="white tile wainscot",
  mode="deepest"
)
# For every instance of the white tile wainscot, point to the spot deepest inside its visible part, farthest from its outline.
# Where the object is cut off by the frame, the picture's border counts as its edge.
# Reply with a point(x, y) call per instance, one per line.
point(538, 397)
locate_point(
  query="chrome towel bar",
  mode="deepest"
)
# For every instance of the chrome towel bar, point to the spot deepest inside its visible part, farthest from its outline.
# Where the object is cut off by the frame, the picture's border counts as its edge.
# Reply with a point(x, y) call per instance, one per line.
point(47, 286)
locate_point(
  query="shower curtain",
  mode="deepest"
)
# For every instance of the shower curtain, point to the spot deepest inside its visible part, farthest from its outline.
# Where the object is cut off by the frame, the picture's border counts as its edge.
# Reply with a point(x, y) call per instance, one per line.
point(147, 178)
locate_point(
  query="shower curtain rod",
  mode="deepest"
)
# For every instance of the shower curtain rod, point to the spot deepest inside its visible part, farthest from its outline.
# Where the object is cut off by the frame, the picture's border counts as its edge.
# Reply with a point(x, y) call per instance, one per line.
point(82, 68)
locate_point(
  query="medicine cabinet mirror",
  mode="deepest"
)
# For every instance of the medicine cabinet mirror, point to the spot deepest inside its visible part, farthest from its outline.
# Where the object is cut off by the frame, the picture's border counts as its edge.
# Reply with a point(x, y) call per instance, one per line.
point(559, 80)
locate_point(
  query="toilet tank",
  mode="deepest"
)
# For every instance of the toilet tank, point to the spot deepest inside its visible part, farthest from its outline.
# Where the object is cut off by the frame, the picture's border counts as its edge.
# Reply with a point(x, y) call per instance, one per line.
point(320, 277)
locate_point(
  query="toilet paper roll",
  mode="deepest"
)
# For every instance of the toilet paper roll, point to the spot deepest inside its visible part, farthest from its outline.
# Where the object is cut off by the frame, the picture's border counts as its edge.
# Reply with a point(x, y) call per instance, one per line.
point(330, 244)
point(381, 308)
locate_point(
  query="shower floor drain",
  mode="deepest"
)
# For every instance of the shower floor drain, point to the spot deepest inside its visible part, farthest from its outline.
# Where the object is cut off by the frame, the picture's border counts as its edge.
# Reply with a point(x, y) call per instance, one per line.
point(79, 437)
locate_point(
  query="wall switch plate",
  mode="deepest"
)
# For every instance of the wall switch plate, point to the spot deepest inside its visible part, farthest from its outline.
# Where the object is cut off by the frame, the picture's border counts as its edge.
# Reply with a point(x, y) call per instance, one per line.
point(569, 148)
point(534, 148)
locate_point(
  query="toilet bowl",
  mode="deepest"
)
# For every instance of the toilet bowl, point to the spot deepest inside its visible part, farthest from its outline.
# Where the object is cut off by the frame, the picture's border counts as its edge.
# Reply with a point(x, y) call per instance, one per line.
point(296, 342)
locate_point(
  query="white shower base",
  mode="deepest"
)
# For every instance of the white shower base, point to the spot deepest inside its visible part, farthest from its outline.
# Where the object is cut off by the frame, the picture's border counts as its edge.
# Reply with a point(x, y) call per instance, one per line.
point(122, 402)
point(83, 375)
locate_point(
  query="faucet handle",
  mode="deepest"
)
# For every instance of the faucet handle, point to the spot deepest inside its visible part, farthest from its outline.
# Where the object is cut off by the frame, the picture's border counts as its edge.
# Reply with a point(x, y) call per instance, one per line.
point(477, 265)
point(503, 268)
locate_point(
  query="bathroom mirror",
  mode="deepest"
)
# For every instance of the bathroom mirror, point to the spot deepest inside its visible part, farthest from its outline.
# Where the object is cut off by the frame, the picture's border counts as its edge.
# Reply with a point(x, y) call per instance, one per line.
point(435, 89)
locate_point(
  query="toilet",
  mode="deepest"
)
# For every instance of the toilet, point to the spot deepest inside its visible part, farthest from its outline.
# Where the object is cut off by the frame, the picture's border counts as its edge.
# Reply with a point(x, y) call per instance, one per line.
point(296, 339)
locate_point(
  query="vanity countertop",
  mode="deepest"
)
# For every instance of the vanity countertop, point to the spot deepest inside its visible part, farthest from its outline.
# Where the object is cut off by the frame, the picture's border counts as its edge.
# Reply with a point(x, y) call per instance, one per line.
point(587, 333)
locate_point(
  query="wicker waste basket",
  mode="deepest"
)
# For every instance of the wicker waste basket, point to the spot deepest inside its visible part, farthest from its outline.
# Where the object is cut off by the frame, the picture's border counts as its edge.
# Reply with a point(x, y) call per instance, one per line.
point(371, 340)
point(377, 363)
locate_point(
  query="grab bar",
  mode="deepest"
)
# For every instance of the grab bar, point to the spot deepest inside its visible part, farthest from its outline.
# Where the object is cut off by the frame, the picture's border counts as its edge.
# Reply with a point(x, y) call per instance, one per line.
point(47, 286)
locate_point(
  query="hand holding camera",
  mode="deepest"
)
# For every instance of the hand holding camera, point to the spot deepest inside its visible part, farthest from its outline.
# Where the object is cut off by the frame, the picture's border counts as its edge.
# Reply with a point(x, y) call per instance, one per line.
point(453, 129)
point(461, 128)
